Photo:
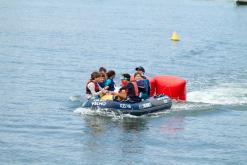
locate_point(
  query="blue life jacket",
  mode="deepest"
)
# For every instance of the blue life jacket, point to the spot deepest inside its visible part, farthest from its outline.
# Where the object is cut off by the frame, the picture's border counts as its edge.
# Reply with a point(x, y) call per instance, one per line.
point(144, 87)
point(147, 86)
point(102, 85)
point(110, 83)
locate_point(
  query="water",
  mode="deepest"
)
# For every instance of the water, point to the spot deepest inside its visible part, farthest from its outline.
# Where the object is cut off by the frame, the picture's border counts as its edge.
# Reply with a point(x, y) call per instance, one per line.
point(49, 48)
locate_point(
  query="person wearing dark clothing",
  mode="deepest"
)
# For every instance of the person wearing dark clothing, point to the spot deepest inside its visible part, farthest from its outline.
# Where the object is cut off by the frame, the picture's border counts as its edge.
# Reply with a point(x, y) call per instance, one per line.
point(131, 91)
point(103, 75)
point(102, 80)
point(145, 94)
point(110, 82)
point(102, 70)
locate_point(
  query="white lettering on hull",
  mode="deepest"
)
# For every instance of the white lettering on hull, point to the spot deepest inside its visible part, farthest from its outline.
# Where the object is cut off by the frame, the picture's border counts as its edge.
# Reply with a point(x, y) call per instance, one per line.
point(125, 106)
point(102, 103)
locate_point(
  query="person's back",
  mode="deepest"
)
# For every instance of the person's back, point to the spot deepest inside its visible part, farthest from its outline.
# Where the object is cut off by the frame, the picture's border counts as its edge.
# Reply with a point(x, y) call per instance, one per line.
point(132, 90)
point(109, 82)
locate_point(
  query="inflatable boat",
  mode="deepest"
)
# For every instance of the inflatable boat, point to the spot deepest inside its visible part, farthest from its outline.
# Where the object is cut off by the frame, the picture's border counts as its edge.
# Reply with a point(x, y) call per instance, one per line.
point(241, 2)
point(151, 105)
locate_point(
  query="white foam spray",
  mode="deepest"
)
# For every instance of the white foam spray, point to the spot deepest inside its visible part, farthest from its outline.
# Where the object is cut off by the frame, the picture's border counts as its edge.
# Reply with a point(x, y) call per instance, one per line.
point(102, 112)
point(223, 94)
point(75, 98)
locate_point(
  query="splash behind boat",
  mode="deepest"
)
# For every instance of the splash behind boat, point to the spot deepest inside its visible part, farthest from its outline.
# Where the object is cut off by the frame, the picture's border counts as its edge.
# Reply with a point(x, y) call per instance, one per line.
point(151, 105)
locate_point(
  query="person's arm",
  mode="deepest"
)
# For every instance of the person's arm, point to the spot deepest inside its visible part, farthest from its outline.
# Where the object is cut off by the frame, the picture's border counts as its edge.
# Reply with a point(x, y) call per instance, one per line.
point(122, 88)
point(123, 91)
point(91, 87)
point(100, 88)
point(122, 95)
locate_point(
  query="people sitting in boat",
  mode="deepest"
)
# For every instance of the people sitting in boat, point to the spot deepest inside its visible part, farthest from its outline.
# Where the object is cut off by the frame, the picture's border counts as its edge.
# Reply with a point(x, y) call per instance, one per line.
point(102, 80)
point(102, 71)
point(141, 70)
point(125, 79)
point(110, 82)
point(144, 95)
point(93, 90)
point(131, 91)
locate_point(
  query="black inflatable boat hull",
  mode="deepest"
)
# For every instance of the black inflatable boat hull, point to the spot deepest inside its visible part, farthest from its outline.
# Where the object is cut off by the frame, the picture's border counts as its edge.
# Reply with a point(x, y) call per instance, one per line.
point(151, 105)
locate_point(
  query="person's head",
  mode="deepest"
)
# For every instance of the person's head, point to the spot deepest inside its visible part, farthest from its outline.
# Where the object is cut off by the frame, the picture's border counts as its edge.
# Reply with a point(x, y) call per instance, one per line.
point(125, 79)
point(102, 77)
point(140, 70)
point(102, 70)
point(95, 76)
point(111, 74)
point(138, 76)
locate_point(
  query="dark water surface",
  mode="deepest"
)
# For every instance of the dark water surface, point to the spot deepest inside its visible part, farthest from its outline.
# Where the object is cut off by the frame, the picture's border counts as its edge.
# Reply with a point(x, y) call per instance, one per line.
point(49, 48)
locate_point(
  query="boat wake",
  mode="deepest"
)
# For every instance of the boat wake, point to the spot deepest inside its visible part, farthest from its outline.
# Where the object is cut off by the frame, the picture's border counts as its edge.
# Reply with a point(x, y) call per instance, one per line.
point(102, 112)
point(115, 115)
point(223, 94)
point(75, 98)
point(197, 101)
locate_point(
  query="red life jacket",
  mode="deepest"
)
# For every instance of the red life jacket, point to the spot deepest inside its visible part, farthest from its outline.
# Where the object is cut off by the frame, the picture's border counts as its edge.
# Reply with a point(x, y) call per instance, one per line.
point(96, 87)
point(137, 93)
point(124, 83)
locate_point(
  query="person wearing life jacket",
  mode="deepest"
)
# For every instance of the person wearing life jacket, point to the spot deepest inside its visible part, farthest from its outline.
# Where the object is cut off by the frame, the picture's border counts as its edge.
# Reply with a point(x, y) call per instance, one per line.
point(93, 89)
point(125, 79)
point(102, 81)
point(109, 82)
point(146, 93)
point(102, 71)
point(130, 92)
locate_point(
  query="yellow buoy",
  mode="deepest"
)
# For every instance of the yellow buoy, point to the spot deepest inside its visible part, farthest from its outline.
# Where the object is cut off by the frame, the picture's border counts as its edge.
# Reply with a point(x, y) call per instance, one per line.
point(175, 37)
